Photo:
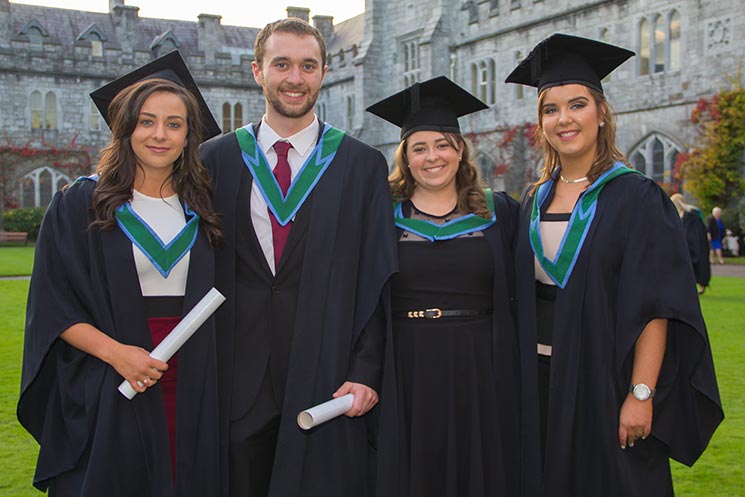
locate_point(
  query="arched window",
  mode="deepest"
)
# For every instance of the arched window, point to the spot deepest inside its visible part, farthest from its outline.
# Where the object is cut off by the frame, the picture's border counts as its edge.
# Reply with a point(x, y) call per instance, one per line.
point(660, 44)
point(410, 50)
point(350, 112)
point(645, 47)
point(674, 29)
point(38, 186)
point(492, 82)
point(94, 117)
point(35, 39)
point(237, 116)
point(605, 38)
point(168, 45)
point(321, 111)
point(50, 110)
point(96, 48)
point(487, 169)
point(483, 81)
point(655, 157)
point(227, 119)
point(658, 160)
point(518, 89)
point(37, 111)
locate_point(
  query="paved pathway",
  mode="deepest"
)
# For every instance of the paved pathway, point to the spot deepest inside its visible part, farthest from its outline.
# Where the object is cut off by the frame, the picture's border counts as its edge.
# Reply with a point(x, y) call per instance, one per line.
point(737, 270)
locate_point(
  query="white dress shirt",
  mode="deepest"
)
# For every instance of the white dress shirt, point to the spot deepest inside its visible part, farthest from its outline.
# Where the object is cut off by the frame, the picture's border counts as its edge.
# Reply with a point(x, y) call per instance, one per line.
point(303, 142)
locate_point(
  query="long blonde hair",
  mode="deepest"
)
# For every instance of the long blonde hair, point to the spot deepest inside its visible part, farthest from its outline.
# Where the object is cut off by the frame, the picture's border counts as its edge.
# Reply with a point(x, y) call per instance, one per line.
point(607, 150)
point(468, 184)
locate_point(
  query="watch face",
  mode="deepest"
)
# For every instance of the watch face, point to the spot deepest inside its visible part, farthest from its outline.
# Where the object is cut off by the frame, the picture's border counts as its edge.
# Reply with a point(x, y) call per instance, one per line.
point(641, 391)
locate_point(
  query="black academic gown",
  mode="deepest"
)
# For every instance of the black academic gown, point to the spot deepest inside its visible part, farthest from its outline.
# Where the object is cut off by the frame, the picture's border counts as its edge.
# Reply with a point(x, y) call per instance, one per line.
point(698, 246)
point(338, 257)
point(391, 472)
point(633, 267)
point(93, 441)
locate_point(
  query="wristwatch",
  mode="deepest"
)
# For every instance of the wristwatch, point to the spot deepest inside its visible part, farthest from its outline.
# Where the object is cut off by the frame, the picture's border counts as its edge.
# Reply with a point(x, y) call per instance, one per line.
point(641, 391)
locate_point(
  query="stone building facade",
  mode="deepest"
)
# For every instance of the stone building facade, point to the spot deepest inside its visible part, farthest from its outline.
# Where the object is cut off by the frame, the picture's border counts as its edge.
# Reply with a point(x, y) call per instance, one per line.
point(51, 59)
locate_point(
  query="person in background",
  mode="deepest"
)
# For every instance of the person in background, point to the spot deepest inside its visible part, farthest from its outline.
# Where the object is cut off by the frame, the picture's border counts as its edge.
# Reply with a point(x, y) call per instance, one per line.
point(606, 295)
point(715, 230)
point(449, 418)
point(121, 256)
point(309, 249)
point(696, 236)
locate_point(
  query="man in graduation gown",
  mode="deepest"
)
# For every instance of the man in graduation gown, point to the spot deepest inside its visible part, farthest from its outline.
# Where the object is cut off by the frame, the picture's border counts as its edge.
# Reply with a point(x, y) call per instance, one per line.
point(302, 321)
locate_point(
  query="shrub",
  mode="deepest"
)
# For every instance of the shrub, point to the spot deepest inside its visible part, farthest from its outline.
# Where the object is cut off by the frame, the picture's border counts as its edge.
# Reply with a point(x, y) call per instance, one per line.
point(28, 220)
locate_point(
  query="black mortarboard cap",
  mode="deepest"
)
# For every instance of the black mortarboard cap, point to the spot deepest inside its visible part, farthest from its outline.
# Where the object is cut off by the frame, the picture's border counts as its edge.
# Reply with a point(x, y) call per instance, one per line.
point(171, 67)
point(563, 59)
point(432, 105)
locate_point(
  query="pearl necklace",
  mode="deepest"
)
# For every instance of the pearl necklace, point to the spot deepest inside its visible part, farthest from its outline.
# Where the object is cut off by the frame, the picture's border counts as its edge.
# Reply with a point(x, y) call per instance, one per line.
point(572, 181)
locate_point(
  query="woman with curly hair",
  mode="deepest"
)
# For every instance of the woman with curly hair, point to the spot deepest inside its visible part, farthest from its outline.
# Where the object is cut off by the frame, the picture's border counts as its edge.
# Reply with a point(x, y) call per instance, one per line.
point(121, 255)
point(451, 358)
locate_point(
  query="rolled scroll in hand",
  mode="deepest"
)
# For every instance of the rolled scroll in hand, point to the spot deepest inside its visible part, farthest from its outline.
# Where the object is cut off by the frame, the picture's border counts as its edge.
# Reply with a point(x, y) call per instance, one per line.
point(323, 412)
point(188, 325)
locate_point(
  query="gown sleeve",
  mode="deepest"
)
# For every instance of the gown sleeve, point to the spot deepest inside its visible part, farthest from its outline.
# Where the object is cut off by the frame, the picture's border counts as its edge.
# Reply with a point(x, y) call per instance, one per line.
point(56, 379)
point(656, 281)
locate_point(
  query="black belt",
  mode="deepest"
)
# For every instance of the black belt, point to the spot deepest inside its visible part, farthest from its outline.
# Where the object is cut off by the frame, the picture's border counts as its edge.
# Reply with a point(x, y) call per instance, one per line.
point(436, 313)
point(164, 306)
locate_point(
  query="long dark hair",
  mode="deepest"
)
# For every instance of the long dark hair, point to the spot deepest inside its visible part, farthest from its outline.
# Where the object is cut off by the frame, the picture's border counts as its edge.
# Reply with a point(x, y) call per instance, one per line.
point(118, 163)
point(471, 199)
point(607, 150)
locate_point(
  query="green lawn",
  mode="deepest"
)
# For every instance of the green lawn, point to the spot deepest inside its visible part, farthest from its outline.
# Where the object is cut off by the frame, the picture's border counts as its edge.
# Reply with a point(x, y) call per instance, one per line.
point(740, 261)
point(716, 474)
point(16, 261)
point(17, 450)
point(719, 471)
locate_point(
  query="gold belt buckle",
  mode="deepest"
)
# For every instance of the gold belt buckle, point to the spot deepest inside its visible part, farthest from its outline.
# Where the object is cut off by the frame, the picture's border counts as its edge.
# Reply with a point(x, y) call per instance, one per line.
point(434, 313)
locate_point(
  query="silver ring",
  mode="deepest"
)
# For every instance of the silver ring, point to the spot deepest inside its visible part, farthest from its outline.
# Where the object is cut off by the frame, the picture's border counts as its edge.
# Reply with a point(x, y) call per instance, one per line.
point(140, 384)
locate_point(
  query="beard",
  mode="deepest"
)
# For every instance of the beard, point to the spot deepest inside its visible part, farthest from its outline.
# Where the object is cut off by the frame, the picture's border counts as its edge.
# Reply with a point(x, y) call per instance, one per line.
point(291, 111)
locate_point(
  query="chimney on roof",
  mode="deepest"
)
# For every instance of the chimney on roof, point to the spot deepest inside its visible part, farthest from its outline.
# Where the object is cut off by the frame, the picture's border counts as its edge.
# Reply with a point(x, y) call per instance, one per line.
point(324, 24)
point(208, 36)
point(126, 23)
point(5, 23)
point(299, 12)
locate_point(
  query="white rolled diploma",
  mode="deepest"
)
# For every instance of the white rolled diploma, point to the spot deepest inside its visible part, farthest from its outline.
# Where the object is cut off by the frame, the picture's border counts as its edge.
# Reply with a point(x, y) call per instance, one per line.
point(188, 325)
point(323, 412)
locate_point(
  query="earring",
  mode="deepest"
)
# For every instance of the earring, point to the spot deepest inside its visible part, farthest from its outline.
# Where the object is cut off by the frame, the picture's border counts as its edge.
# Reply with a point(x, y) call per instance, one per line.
point(602, 123)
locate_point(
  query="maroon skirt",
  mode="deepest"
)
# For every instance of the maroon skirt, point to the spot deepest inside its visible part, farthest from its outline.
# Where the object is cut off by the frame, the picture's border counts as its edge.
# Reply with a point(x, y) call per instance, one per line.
point(159, 329)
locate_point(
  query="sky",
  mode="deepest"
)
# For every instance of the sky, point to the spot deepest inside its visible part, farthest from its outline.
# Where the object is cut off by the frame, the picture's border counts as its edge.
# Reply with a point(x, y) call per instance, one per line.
point(252, 13)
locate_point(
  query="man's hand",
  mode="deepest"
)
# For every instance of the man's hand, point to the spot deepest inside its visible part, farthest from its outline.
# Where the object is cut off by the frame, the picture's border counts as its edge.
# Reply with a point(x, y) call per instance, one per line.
point(365, 398)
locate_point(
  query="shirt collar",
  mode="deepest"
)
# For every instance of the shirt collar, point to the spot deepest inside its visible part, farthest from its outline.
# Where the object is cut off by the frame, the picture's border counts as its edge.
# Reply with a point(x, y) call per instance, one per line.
point(302, 141)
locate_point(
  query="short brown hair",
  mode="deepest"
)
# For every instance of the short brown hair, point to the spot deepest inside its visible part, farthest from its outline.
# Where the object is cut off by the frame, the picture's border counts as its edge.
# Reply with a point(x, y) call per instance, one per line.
point(291, 25)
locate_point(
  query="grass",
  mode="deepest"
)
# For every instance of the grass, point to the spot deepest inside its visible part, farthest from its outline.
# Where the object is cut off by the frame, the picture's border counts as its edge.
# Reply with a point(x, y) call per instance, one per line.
point(16, 261)
point(18, 449)
point(716, 474)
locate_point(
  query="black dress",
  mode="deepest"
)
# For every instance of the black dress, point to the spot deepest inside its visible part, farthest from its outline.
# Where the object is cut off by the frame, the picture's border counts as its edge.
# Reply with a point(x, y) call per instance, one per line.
point(450, 436)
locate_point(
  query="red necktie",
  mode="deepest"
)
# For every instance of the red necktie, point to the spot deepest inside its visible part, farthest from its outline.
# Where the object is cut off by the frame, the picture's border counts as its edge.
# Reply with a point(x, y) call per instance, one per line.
point(284, 177)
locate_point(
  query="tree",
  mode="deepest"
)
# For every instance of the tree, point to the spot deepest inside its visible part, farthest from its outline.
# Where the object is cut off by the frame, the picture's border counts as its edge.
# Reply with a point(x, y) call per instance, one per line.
point(714, 169)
